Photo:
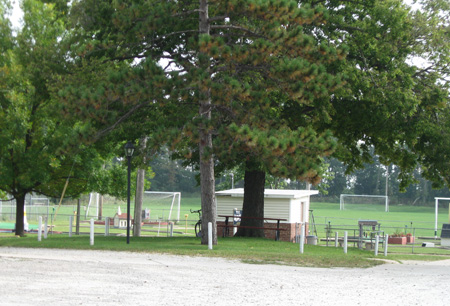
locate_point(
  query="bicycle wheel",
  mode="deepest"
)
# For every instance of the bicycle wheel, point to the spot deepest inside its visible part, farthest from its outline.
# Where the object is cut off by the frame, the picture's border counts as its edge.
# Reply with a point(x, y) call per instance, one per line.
point(198, 229)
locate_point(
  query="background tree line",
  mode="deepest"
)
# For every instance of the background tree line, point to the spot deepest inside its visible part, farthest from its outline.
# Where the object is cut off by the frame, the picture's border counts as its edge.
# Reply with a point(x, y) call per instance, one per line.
point(173, 175)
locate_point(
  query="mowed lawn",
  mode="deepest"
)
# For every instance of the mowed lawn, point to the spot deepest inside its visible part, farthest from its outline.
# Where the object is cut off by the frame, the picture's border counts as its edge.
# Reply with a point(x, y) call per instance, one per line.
point(420, 219)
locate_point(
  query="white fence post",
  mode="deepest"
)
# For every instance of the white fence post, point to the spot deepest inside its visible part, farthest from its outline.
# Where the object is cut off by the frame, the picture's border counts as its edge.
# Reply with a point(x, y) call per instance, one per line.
point(170, 229)
point(302, 238)
point(91, 240)
point(70, 225)
point(107, 226)
point(40, 229)
point(210, 243)
point(336, 239)
point(345, 242)
point(46, 228)
point(386, 238)
point(377, 240)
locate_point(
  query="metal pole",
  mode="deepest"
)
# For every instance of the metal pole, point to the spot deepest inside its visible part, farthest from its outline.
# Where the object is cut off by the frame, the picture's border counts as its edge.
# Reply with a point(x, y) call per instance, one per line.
point(128, 199)
point(336, 239)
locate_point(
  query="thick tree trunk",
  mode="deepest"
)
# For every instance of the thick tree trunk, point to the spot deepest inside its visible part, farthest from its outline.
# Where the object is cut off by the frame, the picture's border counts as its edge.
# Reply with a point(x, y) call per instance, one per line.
point(253, 205)
point(20, 206)
point(139, 197)
point(207, 180)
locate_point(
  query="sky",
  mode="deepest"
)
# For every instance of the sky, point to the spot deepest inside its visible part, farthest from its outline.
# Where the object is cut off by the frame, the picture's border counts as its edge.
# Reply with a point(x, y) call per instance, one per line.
point(16, 14)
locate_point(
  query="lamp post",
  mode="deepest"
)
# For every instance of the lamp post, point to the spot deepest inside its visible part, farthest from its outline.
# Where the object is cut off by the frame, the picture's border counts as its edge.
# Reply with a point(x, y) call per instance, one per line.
point(129, 149)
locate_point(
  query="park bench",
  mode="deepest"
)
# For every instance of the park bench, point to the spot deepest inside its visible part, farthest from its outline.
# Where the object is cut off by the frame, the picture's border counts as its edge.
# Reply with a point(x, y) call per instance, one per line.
point(227, 225)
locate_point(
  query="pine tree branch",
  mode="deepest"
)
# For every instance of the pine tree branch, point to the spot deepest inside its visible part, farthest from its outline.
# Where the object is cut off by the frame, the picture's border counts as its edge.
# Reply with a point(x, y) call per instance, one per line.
point(233, 27)
point(121, 119)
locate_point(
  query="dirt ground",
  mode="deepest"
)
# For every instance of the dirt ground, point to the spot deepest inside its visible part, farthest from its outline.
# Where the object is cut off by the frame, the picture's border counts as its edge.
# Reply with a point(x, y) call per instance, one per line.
point(72, 277)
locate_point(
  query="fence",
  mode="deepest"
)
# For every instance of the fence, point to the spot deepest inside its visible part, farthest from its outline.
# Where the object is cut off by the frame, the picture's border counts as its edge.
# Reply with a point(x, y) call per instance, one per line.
point(420, 240)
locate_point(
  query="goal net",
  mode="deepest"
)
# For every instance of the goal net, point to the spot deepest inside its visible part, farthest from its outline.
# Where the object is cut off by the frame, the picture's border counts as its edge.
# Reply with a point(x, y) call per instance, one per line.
point(162, 205)
point(37, 206)
point(364, 202)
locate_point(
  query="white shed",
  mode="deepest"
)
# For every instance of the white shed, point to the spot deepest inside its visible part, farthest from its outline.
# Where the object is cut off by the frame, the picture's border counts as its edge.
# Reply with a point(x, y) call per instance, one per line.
point(292, 205)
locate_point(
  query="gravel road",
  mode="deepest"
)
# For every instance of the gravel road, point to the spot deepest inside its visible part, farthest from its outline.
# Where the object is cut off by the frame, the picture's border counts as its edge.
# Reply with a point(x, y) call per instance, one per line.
point(73, 277)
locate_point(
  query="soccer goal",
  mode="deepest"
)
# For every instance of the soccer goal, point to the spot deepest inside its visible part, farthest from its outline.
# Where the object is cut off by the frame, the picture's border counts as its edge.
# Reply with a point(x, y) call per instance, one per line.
point(436, 206)
point(37, 206)
point(364, 202)
point(162, 205)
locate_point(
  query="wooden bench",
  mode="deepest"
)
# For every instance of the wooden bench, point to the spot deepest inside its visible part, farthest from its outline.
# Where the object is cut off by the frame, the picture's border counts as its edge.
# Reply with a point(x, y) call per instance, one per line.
point(227, 225)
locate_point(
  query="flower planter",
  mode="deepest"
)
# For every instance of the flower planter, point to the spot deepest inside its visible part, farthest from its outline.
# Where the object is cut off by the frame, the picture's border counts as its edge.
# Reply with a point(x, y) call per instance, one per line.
point(410, 239)
point(397, 240)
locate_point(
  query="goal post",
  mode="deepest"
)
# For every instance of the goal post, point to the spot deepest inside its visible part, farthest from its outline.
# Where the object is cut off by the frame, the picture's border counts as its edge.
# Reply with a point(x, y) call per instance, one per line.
point(436, 211)
point(363, 199)
point(164, 203)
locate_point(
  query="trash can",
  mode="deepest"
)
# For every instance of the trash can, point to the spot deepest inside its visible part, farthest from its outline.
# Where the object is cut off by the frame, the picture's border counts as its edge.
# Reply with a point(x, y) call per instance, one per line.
point(311, 240)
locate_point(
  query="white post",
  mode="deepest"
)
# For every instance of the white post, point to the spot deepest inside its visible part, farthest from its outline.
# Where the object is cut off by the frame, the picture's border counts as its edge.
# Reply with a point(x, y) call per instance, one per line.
point(107, 226)
point(46, 228)
point(386, 238)
point(345, 242)
point(210, 246)
point(91, 240)
point(40, 229)
point(171, 229)
point(302, 238)
point(377, 239)
point(435, 218)
point(336, 239)
point(70, 225)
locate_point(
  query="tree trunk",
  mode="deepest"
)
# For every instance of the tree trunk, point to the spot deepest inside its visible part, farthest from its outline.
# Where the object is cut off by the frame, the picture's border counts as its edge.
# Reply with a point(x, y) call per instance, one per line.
point(100, 207)
point(20, 206)
point(139, 197)
point(138, 202)
point(253, 205)
point(207, 180)
point(77, 227)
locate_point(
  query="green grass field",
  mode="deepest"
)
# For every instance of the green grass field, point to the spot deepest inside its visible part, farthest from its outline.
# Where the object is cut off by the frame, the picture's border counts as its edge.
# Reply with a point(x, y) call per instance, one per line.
point(408, 219)
point(399, 218)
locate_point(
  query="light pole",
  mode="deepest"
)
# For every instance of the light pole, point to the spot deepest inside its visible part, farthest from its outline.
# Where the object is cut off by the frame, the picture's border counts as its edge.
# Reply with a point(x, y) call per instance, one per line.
point(129, 149)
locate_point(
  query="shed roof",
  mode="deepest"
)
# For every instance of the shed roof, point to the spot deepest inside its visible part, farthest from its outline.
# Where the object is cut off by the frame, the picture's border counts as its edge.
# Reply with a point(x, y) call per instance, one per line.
point(270, 193)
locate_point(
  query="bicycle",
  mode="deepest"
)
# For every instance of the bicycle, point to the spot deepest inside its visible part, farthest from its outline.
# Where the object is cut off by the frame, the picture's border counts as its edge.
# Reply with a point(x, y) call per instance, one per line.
point(198, 225)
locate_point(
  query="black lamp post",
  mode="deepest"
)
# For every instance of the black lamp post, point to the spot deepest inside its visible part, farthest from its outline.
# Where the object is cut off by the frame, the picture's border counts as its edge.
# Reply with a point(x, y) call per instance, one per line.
point(129, 149)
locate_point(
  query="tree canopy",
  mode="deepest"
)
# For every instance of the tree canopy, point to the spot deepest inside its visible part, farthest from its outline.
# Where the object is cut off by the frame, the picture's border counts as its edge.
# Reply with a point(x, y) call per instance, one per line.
point(40, 150)
point(275, 85)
